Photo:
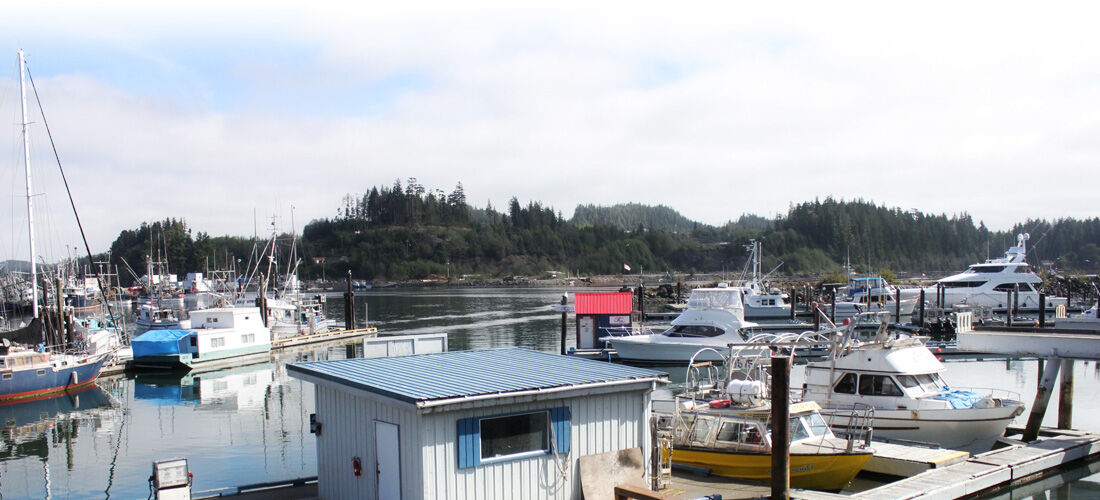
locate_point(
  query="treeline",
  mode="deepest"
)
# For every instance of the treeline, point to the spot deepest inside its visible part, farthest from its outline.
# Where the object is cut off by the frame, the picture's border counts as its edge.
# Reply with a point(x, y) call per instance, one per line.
point(410, 232)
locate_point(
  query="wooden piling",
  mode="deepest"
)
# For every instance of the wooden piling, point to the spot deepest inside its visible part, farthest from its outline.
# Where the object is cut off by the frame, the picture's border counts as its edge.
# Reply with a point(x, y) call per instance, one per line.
point(1042, 310)
point(897, 305)
point(1008, 309)
point(1065, 396)
point(1015, 299)
point(794, 302)
point(781, 431)
point(349, 305)
point(832, 307)
point(1042, 398)
point(564, 320)
point(922, 308)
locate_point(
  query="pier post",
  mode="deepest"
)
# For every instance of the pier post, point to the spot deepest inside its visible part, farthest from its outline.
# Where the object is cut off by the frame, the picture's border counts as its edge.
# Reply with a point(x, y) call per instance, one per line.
point(781, 431)
point(1042, 310)
point(939, 295)
point(1008, 309)
point(261, 299)
point(641, 301)
point(564, 320)
point(794, 302)
point(1015, 299)
point(1042, 398)
point(922, 308)
point(679, 291)
point(1065, 396)
point(832, 307)
point(349, 305)
point(897, 305)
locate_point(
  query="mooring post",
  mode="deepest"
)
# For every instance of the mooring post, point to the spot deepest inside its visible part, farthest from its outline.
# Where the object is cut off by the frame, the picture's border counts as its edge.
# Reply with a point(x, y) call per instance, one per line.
point(349, 305)
point(1042, 310)
point(261, 299)
point(1008, 309)
point(939, 293)
point(922, 308)
point(781, 431)
point(679, 291)
point(832, 307)
point(564, 319)
point(1065, 396)
point(641, 301)
point(897, 305)
point(794, 302)
point(1042, 398)
point(1015, 299)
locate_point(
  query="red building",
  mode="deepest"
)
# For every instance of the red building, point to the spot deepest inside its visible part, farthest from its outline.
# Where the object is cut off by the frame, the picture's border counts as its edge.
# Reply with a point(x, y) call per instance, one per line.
point(596, 312)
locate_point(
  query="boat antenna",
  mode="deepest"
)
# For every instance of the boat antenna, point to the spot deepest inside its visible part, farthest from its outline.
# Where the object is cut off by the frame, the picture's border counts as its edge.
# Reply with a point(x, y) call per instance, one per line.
point(65, 180)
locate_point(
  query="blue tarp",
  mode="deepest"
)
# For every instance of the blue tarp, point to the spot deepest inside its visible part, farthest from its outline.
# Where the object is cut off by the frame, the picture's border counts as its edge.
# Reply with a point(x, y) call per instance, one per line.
point(960, 399)
point(162, 342)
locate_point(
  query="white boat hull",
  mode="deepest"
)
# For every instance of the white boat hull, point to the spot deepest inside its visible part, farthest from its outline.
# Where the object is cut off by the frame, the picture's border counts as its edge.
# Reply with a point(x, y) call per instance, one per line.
point(966, 429)
point(649, 348)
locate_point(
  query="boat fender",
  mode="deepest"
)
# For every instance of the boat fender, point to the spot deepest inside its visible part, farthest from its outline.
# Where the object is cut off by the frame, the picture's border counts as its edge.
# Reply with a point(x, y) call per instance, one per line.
point(986, 403)
point(720, 403)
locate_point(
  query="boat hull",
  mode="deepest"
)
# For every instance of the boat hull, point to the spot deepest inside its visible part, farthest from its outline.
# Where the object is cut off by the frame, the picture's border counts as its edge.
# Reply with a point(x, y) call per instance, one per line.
point(187, 361)
point(645, 349)
point(828, 472)
point(966, 429)
point(17, 386)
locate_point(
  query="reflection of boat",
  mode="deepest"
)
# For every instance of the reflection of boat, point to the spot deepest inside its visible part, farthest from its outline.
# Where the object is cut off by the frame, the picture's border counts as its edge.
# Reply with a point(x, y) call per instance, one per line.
point(228, 334)
point(728, 430)
point(229, 389)
point(714, 318)
point(20, 415)
point(988, 284)
point(900, 379)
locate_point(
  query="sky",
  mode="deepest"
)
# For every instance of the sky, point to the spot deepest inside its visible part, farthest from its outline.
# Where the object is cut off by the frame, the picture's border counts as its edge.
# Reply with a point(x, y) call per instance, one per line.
point(231, 115)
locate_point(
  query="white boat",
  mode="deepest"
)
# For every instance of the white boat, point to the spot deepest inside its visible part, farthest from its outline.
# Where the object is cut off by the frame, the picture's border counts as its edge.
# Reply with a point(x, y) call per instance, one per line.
point(988, 284)
point(715, 318)
point(871, 294)
point(901, 379)
point(150, 316)
point(1088, 320)
point(216, 335)
point(760, 300)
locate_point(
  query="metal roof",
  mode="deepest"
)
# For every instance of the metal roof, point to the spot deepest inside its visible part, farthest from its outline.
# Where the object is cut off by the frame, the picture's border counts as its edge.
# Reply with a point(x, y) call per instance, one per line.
point(603, 303)
point(447, 375)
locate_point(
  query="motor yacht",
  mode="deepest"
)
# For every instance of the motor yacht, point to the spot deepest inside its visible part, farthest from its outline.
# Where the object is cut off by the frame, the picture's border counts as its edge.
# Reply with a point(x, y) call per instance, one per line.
point(988, 284)
point(871, 294)
point(902, 381)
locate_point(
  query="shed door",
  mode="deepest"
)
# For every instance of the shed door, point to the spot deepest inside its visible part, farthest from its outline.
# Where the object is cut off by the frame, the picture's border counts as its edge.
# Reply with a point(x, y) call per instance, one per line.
point(587, 334)
point(388, 455)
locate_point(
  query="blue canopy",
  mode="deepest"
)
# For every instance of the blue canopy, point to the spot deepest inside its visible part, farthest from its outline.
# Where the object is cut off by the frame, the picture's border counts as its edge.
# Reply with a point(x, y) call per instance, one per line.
point(162, 342)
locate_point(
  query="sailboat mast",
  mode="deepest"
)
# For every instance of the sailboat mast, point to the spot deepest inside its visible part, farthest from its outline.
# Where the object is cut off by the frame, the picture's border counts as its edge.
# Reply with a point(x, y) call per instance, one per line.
point(30, 192)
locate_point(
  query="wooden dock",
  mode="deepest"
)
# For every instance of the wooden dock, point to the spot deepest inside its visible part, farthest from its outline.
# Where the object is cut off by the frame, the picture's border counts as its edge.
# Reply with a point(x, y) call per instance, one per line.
point(983, 472)
point(907, 460)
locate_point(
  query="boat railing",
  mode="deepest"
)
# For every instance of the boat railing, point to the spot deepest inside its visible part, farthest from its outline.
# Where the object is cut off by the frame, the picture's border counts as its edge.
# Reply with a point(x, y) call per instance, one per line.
point(856, 423)
point(994, 393)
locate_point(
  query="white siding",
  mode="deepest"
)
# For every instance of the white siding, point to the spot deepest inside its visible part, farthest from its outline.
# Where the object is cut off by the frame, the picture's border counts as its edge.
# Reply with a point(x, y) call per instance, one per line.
point(598, 424)
point(348, 431)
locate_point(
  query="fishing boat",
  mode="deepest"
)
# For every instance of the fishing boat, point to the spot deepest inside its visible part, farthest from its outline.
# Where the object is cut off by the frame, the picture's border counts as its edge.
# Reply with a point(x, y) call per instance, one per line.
point(760, 300)
point(725, 426)
point(902, 381)
point(217, 337)
point(34, 365)
point(989, 284)
point(715, 317)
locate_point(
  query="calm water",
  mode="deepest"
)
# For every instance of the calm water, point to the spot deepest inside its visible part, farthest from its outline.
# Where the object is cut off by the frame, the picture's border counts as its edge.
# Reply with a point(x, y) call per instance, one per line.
point(251, 424)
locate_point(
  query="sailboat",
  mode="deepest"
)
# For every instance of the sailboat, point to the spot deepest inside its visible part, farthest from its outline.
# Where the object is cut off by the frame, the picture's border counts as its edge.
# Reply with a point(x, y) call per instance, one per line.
point(30, 372)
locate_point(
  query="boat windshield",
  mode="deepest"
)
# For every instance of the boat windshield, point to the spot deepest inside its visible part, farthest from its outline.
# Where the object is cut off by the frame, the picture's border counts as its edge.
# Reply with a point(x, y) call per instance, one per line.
point(816, 424)
point(930, 382)
point(694, 331)
point(722, 298)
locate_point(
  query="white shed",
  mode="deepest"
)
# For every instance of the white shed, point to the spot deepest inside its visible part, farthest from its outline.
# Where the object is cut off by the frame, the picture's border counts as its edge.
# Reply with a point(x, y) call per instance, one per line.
point(498, 423)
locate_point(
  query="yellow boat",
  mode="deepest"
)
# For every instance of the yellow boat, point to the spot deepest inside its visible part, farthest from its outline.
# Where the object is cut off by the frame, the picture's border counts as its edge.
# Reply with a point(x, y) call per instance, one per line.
point(736, 442)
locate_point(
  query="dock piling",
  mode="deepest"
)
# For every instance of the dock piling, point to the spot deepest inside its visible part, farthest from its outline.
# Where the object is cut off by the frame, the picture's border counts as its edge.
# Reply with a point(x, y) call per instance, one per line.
point(781, 432)
point(1042, 310)
point(349, 305)
point(897, 305)
point(794, 302)
point(922, 308)
point(1065, 396)
point(1008, 309)
point(564, 319)
point(832, 307)
point(1042, 398)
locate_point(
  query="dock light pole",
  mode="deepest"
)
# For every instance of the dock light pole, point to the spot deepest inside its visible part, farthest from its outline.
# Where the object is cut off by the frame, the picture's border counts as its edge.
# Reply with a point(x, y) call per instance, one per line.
point(781, 431)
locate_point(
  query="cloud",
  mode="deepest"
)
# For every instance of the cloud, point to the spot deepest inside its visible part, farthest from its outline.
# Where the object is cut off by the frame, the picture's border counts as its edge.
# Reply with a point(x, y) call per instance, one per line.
point(712, 109)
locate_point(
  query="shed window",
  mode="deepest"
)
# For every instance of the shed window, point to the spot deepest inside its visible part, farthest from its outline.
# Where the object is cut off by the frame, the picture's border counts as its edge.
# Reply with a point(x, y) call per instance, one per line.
point(513, 436)
point(217, 342)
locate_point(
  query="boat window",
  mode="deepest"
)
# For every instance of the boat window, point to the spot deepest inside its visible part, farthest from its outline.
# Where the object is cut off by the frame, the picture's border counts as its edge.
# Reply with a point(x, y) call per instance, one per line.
point(908, 381)
point(248, 339)
point(846, 384)
point(928, 383)
point(701, 430)
point(1026, 287)
point(816, 424)
point(962, 284)
point(1023, 269)
point(1005, 287)
point(730, 432)
point(217, 342)
point(694, 331)
point(941, 384)
point(987, 269)
point(878, 385)
point(798, 431)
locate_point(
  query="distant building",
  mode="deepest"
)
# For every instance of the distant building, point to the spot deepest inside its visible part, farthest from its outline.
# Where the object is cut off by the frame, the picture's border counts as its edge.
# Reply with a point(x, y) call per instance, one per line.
point(499, 423)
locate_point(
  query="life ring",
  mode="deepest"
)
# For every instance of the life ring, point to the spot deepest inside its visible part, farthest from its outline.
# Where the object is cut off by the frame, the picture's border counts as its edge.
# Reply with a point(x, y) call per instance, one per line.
point(720, 403)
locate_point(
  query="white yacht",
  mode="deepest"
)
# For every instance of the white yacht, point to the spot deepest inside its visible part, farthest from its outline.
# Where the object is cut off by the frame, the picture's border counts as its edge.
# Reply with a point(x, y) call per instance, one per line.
point(901, 379)
point(714, 318)
point(987, 284)
point(760, 300)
